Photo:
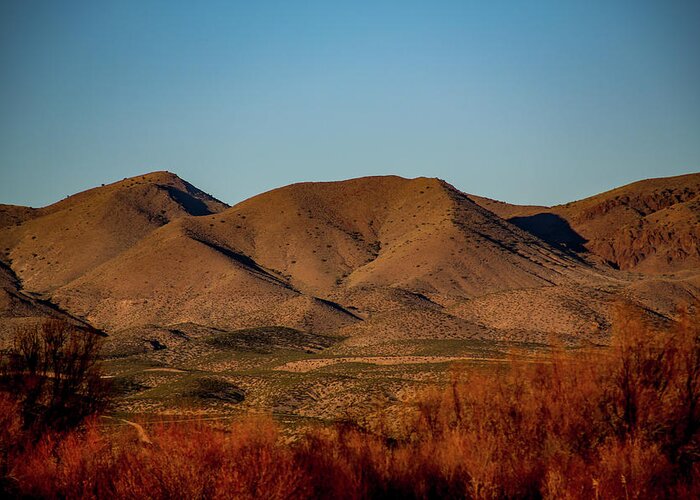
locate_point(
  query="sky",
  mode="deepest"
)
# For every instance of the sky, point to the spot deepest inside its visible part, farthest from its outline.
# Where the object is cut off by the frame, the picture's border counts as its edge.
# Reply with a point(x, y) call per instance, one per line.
point(537, 102)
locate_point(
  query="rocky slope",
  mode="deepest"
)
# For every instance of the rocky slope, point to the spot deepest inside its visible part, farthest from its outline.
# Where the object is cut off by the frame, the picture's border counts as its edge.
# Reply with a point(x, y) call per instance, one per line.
point(651, 226)
point(51, 246)
point(374, 260)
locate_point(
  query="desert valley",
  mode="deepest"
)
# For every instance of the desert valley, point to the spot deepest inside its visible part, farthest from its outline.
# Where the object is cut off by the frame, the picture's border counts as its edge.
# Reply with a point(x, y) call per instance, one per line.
point(349, 250)
point(322, 301)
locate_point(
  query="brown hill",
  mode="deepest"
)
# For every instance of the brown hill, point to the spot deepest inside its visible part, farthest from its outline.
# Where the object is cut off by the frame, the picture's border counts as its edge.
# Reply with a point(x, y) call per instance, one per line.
point(176, 276)
point(290, 256)
point(420, 235)
point(315, 297)
point(51, 246)
point(651, 226)
point(376, 259)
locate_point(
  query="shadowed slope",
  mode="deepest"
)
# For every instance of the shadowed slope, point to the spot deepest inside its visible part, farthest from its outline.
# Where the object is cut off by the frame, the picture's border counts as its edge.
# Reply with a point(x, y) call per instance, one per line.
point(421, 235)
point(649, 226)
point(177, 276)
point(18, 307)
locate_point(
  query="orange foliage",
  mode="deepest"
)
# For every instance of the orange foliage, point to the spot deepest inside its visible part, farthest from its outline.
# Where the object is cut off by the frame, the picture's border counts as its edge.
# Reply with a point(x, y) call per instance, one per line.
point(619, 422)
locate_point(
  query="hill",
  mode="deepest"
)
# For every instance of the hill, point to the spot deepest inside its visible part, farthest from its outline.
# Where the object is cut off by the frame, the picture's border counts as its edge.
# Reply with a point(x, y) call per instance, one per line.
point(651, 226)
point(317, 297)
point(320, 257)
point(51, 246)
point(353, 258)
point(420, 234)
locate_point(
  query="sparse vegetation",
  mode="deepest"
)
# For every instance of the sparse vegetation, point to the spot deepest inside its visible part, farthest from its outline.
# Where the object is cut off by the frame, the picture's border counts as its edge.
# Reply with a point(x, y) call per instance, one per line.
point(52, 374)
point(50, 384)
point(266, 339)
point(620, 422)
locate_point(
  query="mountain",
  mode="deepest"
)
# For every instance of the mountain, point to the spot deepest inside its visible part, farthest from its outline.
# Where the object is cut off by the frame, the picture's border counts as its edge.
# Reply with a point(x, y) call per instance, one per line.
point(421, 235)
point(651, 226)
point(51, 246)
point(322, 257)
point(373, 260)
point(320, 298)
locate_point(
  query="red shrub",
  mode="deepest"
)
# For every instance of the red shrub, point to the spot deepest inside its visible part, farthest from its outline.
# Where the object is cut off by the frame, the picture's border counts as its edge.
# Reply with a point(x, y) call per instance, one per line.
point(620, 422)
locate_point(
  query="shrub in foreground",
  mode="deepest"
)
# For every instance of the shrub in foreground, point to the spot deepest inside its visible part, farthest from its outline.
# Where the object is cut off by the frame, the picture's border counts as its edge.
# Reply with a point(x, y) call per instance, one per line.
point(619, 422)
point(52, 373)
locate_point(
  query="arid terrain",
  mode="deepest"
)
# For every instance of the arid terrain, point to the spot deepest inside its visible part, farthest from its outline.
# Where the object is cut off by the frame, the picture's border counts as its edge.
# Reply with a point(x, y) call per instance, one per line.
point(323, 300)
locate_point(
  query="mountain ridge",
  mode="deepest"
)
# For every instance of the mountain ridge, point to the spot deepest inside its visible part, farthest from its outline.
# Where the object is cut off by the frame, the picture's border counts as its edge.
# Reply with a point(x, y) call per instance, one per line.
point(353, 258)
point(650, 226)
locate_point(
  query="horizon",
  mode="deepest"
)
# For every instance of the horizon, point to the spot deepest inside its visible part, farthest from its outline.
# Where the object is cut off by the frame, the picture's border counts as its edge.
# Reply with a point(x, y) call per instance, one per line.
point(539, 104)
point(232, 203)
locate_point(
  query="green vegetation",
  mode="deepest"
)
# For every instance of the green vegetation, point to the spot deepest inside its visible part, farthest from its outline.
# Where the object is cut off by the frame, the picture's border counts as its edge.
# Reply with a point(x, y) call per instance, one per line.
point(268, 339)
point(618, 423)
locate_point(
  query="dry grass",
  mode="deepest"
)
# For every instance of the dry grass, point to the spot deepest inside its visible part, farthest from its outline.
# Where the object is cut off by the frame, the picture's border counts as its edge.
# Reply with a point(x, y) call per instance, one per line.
point(617, 423)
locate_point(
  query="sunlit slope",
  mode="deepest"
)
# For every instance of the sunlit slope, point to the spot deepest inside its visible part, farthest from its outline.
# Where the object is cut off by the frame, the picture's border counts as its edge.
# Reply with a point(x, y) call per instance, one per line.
point(52, 246)
point(420, 235)
point(651, 226)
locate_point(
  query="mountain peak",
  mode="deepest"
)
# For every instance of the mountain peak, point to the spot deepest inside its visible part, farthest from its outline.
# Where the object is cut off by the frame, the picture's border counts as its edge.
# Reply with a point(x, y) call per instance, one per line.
point(86, 229)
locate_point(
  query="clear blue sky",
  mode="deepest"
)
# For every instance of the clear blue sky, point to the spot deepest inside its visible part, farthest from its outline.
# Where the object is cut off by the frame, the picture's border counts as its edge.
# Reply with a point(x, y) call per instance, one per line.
point(525, 101)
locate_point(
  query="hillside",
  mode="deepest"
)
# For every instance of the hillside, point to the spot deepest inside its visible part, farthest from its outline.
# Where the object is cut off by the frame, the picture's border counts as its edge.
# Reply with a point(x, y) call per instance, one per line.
point(354, 258)
point(311, 255)
point(51, 246)
point(419, 234)
point(651, 226)
point(317, 298)
point(174, 276)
